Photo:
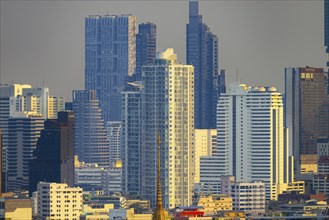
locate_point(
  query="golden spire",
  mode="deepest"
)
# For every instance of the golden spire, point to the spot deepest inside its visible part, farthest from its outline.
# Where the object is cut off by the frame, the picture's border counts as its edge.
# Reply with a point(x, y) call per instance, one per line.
point(159, 213)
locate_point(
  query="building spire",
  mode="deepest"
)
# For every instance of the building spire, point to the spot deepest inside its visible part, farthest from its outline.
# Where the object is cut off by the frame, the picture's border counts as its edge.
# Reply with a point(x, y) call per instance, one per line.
point(159, 213)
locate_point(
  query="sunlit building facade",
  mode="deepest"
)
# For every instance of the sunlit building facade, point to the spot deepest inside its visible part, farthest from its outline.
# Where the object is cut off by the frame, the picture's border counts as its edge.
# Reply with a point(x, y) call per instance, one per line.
point(251, 141)
point(168, 108)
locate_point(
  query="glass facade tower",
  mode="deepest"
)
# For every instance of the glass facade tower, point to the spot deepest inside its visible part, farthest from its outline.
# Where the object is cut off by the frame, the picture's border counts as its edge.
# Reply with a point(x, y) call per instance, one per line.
point(110, 55)
point(202, 53)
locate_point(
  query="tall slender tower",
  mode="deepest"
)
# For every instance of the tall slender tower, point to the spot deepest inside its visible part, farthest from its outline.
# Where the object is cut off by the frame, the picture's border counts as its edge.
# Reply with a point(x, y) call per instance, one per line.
point(202, 53)
point(110, 48)
point(159, 213)
point(168, 106)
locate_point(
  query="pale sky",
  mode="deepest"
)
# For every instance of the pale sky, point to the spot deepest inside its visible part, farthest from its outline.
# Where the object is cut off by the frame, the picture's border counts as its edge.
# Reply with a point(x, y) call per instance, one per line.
point(44, 40)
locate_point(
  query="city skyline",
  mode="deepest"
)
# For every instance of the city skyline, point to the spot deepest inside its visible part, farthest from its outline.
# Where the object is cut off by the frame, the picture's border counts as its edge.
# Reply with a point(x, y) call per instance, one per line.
point(253, 51)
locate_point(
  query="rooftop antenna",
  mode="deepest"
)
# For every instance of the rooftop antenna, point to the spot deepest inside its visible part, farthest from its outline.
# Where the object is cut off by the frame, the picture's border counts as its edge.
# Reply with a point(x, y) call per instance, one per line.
point(237, 76)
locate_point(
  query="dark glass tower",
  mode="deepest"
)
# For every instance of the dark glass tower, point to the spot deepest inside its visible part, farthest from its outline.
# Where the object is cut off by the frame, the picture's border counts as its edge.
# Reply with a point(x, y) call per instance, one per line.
point(202, 53)
point(145, 47)
point(54, 156)
point(307, 110)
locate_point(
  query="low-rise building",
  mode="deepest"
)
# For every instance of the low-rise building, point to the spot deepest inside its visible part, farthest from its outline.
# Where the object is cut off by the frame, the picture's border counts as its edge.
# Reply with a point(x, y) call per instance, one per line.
point(58, 201)
point(190, 213)
point(15, 208)
point(128, 214)
point(248, 197)
point(212, 204)
point(96, 212)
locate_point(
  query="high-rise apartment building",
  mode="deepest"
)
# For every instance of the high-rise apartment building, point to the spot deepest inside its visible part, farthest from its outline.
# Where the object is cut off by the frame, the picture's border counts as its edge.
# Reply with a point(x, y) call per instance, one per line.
point(131, 139)
point(307, 110)
point(145, 47)
point(110, 49)
point(168, 108)
point(114, 139)
point(23, 133)
point(202, 53)
point(251, 137)
point(90, 136)
point(205, 141)
point(58, 201)
point(54, 155)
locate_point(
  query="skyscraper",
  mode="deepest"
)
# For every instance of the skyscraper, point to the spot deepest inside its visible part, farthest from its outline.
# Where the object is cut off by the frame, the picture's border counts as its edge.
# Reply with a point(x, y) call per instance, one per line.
point(131, 139)
point(110, 50)
point(90, 136)
point(23, 133)
point(168, 107)
point(54, 156)
point(145, 47)
point(307, 110)
point(202, 53)
point(251, 137)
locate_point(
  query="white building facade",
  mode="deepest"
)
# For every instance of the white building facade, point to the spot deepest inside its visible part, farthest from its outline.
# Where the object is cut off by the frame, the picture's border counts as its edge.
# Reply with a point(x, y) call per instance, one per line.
point(248, 197)
point(251, 140)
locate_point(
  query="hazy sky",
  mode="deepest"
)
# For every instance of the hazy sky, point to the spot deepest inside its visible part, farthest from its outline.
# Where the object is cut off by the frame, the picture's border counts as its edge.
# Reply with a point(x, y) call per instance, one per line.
point(44, 40)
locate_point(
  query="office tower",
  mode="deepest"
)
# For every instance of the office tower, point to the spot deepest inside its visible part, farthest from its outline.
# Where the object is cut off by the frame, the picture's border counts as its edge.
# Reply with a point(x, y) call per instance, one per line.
point(205, 141)
point(90, 136)
point(146, 45)
point(202, 53)
point(23, 133)
point(54, 155)
point(114, 139)
point(251, 137)
point(326, 30)
point(307, 110)
point(110, 49)
point(8, 94)
point(247, 196)
point(168, 107)
point(66, 202)
point(131, 139)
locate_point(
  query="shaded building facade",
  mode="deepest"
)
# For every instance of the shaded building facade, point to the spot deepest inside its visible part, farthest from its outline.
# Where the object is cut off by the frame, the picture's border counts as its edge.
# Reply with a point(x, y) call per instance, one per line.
point(110, 57)
point(90, 135)
point(307, 110)
point(131, 139)
point(202, 53)
point(23, 133)
point(146, 44)
point(54, 156)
